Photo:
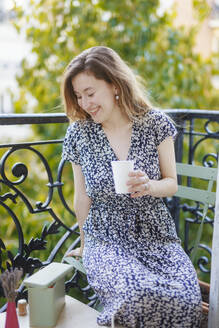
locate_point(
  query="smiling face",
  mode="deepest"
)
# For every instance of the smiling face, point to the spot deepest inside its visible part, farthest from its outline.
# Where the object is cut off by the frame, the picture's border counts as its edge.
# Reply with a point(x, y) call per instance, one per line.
point(96, 97)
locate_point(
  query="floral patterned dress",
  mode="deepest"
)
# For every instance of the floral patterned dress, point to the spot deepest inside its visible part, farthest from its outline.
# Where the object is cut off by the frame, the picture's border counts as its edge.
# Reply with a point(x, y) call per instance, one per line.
point(132, 255)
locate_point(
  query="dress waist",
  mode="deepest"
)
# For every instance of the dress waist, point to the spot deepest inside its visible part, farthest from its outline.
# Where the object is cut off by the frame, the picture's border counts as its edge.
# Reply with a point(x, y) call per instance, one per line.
point(130, 221)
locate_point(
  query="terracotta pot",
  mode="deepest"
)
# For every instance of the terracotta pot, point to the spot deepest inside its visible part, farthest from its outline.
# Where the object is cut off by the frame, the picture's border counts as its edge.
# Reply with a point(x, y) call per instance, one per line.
point(205, 290)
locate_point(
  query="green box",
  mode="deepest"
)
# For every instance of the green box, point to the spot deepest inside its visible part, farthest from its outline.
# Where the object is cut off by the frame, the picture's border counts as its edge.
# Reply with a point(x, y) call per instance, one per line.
point(46, 294)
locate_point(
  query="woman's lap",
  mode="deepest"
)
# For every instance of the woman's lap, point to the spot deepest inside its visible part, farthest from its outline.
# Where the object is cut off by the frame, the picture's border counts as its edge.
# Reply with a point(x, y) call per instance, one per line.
point(136, 294)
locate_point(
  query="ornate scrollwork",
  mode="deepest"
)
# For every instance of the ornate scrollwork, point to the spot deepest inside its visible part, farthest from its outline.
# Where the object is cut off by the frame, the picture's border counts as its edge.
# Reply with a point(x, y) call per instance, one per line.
point(20, 170)
point(210, 160)
point(24, 259)
point(204, 261)
point(208, 129)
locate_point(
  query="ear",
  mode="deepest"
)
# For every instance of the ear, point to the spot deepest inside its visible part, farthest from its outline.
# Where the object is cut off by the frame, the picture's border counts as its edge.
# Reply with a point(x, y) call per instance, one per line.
point(115, 90)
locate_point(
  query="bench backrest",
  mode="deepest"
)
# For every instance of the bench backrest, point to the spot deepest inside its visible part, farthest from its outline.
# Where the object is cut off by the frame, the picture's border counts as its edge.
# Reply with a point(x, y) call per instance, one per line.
point(206, 196)
point(197, 194)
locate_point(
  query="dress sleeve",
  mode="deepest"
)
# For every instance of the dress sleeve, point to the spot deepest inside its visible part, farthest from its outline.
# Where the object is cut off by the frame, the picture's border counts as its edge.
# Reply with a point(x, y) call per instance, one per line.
point(164, 127)
point(70, 150)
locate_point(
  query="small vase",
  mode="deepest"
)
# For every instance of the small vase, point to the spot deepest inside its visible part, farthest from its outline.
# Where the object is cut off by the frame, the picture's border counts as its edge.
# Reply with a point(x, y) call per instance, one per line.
point(11, 316)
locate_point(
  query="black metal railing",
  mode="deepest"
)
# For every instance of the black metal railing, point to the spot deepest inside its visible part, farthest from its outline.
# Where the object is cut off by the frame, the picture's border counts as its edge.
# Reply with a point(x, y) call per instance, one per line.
point(33, 195)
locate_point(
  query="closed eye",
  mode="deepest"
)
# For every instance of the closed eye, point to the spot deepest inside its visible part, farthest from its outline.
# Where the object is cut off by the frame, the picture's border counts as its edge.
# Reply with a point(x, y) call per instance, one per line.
point(91, 94)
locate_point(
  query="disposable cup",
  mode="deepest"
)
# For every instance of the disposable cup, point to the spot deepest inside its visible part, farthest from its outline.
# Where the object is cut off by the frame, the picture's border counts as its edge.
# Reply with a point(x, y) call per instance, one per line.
point(121, 170)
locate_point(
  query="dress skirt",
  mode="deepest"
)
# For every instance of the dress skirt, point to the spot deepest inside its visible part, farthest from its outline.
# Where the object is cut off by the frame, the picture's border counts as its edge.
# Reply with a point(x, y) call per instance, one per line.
point(143, 289)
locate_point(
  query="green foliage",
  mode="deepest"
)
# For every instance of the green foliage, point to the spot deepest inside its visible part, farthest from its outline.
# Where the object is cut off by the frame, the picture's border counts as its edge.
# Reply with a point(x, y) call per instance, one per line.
point(163, 55)
point(202, 9)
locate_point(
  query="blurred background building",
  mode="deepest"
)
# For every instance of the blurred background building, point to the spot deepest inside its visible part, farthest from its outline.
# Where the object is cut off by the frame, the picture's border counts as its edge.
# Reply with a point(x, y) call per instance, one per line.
point(207, 40)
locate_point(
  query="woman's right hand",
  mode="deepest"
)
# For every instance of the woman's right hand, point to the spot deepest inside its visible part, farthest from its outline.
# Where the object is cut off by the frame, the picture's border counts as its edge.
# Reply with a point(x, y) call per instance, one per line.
point(77, 252)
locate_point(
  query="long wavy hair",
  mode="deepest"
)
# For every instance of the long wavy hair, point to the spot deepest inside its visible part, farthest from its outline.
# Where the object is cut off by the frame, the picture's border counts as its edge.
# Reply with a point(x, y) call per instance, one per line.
point(105, 64)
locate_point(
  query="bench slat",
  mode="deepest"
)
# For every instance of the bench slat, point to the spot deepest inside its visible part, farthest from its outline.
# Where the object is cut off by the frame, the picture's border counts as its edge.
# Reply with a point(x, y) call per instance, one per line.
point(195, 194)
point(201, 172)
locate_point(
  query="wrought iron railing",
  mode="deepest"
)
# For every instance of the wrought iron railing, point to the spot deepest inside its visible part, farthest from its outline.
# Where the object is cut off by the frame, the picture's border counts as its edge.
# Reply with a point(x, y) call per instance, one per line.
point(27, 168)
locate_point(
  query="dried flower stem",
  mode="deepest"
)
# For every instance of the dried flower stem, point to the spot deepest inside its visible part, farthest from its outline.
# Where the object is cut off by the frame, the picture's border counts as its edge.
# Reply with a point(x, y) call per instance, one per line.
point(10, 280)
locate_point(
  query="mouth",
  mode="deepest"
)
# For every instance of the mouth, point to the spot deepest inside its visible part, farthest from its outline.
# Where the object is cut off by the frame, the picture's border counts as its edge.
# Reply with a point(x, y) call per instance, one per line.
point(94, 111)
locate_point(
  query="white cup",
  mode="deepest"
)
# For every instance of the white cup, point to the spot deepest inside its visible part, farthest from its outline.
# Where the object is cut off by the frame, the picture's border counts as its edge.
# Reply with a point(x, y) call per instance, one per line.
point(121, 170)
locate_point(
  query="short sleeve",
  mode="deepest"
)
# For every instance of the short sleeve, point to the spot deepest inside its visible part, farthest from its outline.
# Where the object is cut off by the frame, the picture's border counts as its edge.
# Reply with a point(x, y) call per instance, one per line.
point(164, 127)
point(69, 150)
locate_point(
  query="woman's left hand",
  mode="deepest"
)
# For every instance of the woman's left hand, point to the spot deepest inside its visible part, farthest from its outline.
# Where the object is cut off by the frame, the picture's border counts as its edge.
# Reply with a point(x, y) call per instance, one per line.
point(139, 184)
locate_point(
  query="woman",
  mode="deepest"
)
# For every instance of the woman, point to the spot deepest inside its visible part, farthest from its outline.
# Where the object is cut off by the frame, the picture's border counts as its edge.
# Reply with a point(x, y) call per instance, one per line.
point(130, 249)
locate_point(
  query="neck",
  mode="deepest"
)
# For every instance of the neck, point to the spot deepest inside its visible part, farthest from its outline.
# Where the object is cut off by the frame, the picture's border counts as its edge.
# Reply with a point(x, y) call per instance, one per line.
point(117, 123)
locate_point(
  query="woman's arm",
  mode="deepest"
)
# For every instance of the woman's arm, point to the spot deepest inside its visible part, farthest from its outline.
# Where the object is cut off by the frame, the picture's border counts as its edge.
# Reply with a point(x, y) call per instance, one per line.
point(140, 184)
point(82, 205)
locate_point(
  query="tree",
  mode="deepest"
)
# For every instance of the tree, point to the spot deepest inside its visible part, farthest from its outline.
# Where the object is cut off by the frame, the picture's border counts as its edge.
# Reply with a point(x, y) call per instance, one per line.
point(59, 30)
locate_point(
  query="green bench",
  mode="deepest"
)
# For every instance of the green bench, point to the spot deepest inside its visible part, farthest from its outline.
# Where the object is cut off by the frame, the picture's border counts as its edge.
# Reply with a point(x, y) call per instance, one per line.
point(205, 196)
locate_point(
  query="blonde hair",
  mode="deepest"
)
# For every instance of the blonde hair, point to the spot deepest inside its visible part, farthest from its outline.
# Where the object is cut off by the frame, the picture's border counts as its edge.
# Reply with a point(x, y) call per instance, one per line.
point(105, 64)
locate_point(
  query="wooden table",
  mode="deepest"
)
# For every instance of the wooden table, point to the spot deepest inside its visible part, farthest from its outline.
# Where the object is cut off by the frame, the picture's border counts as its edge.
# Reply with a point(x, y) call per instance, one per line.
point(74, 315)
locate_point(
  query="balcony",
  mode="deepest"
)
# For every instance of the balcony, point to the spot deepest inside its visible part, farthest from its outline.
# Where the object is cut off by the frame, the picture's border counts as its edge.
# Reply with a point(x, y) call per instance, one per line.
point(38, 224)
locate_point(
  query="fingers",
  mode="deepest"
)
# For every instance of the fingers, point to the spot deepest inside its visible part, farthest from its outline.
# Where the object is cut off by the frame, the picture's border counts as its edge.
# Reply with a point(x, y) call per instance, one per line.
point(138, 183)
point(75, 252)
point(69, 254)
point(139, 194)
point(137, 178)
point(137, 173)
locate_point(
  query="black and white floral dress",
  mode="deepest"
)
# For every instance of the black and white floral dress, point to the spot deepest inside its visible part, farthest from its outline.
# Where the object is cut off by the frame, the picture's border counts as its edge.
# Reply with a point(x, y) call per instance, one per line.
point(132, 255)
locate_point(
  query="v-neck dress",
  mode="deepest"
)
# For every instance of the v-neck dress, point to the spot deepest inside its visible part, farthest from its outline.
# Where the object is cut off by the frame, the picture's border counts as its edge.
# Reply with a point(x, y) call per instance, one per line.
point(132, 254)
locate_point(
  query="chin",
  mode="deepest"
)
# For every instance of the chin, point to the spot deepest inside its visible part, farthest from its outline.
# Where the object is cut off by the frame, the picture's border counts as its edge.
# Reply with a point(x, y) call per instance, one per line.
point(97, 120)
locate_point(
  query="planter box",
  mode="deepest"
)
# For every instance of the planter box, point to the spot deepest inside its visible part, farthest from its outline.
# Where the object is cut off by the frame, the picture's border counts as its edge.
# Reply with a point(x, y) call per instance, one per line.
point(46, 294)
